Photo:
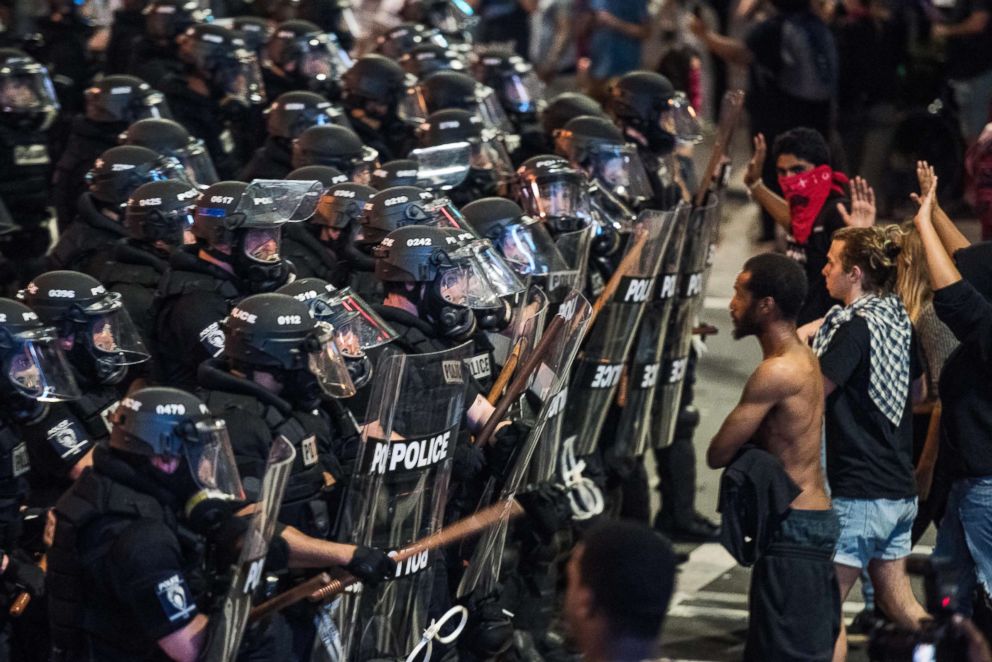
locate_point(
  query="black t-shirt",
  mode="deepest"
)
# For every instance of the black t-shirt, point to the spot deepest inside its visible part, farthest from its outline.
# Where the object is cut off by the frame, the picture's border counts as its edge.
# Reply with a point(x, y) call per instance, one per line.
point(867, 456)
point(813, 257)
point(967, 373)
point(969, 55)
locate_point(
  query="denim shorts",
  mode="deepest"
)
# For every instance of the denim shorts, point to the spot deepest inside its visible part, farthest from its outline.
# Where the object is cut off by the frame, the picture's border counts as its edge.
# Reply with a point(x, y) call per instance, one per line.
point(873, 529)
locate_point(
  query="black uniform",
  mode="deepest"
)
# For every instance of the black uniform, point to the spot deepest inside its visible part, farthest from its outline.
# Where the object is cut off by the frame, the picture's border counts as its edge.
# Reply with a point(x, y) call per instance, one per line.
point(87, 141)
point(135, 273)
point(152, 63)
point(273, 160)
point(25, 172)
point(310, 258)
point(393, 140)
point(191, 300)
point(88, 242)
point(128, 27)
point(118, 573)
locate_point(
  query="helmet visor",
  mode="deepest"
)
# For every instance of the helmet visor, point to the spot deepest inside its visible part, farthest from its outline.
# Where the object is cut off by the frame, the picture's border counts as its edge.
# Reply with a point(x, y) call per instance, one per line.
point(38, 369)
point(489, 154)
point(679, 119)
point(362, 167)
point(442, 167)
point(529, 249)
point(27, 92)
point(263, 244)
point(553, 199)
point(112, 336)
point(196, 162)
point(356, 324)
point(479, 277)
point(269, 202)
point(523, 91)
point(491, 111)
point(412, 107)
point(444, 214)
point(619, 169)
point(240, 78)
point(328, 366)
point(321, 62)
point(211, 460)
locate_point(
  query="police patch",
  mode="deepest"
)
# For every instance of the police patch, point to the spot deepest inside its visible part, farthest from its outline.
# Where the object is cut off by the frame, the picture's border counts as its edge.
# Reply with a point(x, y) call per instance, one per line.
point(174, 596)
point(212, 339)
point(309, 447)
point(67, 439)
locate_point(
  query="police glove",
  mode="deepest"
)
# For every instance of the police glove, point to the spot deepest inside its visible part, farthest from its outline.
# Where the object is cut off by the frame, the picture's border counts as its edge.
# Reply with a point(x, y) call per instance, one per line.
point(371, 565)
point(547, 509)
point(23, 573)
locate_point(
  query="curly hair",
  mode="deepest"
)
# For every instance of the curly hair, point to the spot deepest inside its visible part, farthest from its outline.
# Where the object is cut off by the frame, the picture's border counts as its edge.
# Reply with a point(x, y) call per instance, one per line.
point(875, 251)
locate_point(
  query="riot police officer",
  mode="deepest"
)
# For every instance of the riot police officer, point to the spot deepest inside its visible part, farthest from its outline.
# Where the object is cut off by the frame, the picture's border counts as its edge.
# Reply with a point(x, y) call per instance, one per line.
point(338, 216)
point(157, 220)
point(112, 103)
point(398, 172)
point(278, 365)
point(424, 59)
point(88, 241)
point(27, 109)
point(218, 95)
point(289, 115)
point(300, 56)
point(155, 54)
point(337, 147)
point(237, 253)
point(520, 93)
point(128, 517)
point(101, 343)
point(305, 245)
point(563, 107)
point(371, 94)
point(169, 138)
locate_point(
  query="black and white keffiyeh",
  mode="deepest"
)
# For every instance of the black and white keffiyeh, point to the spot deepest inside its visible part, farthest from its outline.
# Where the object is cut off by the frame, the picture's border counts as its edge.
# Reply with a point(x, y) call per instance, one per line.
point(890, 334)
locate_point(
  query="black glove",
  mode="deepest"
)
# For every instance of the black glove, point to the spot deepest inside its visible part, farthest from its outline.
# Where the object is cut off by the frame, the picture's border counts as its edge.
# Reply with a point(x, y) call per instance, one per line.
point(501, 453)
point(23, 573)
point(547, 509)
point(371, 565)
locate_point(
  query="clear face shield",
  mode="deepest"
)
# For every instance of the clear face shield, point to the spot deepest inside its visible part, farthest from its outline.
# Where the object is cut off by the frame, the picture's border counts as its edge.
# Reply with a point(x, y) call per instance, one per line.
point(28, 91)
point(240, 79)
point(111, 336)
point(491, 110)
point(275, 201)
point(38, 369)
point(478, 278)
point(523, 91)
point(357, 327)
point(321, 60)
point(197, 164)
point(620, 170)
point(680, 120)
point(561, 202)
point(151, 106)
point(326, 364)
point(442, 167)
point(263, 245)
point(489, 154)
point(529, 249)
point(211, 461)
point(362, 167)
point(444, 214)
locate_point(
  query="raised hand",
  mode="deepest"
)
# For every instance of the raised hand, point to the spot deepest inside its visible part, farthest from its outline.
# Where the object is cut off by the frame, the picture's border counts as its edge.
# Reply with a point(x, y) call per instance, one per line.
point(928, 180)
point(925, 214)
point(752, 174)
point(862, 214)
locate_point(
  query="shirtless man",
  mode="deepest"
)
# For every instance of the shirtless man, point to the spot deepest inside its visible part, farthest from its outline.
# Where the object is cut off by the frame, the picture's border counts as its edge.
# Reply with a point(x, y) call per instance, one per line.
point(794, 599)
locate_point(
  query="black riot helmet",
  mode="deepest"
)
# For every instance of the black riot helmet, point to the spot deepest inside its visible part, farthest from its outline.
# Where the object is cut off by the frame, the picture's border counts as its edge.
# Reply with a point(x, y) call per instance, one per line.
point(404, 37)
point(341, 206)
point(597, 147)
point(255, 30)
point(398, 172)
point(551, 190)
point(565, 106)
point(242, 224)
point(517, 87)
point(334, 16)
point(27, 97)
point(169, 138)
point(34, 367)
point(171, 423)
point(167, 19)
point(424, 59)
point(118, 171)
point(292, 113)
point(104, 339)
point(276, 333)
point(393, 208)
point(326, 175)
point(306, 55)
point(123, 99)
point(647, 102)
point(337, 147)
point(374, 85)
point(161, 212)
point(221, 58)
point(453, 89)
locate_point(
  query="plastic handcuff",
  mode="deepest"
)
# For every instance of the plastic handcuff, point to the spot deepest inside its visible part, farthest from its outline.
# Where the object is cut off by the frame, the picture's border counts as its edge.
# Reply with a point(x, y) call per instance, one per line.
point(584, 496)
point(433, 632)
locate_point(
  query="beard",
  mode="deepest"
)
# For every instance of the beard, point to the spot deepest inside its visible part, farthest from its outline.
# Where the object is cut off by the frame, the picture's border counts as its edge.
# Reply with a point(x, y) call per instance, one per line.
point(746, 326)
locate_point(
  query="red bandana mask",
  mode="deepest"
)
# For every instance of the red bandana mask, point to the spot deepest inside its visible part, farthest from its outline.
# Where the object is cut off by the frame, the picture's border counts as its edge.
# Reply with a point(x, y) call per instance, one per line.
point(806, 192)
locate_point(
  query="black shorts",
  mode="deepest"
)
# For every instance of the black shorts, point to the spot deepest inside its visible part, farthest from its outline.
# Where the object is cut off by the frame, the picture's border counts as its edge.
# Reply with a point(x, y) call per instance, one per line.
point(794, 602)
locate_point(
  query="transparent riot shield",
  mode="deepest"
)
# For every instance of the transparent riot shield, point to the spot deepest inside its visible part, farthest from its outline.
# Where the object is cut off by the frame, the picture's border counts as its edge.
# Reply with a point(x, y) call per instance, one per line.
point(541, 444)
point(600, 363)
point(574, 248)
point(273, 201)
point(637, 390)
point(227, 626)
point(399, 491)
point(524, 330)
point(442, 167)
point(675, 356)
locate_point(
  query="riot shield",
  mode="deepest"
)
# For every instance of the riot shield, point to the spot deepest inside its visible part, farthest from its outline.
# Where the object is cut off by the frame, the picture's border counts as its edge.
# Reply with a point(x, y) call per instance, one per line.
point(540, 446)
point(442, 167)
point(675, 356)
point(638, 389)
point(228, 625)
point(600, 363)
point(399, 491)
point(524, 330)
point(574, 248)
